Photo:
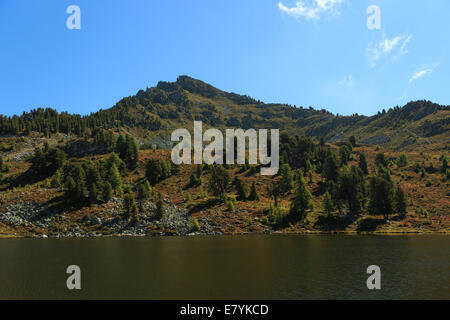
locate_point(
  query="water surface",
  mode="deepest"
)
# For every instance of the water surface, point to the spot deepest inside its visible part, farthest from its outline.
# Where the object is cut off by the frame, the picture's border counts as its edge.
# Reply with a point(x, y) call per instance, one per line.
point(250, 267)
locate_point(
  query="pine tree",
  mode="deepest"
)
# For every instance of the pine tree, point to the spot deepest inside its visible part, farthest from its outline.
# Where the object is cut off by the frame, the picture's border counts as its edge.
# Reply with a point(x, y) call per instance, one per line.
point(93, 193)
point(219, 180)
point(327, 204)
point(302, 201)
point(381, 194)
point(444, 164)
point(107, 192)
point(70, 189)
point(114, 177)
point(363, 164)
point(402, 161)
point(144, 192)
point(56, 179)
point(380, 160)
point(351, 188)
point(241, 188)
point(160, 210)
point(400, 202)
point(331, 168)
point(344, 154)
point(121, 147)
point(287, 178)
point(1, 164)
point(128, 200)
point(253, 193)
point(153, 171)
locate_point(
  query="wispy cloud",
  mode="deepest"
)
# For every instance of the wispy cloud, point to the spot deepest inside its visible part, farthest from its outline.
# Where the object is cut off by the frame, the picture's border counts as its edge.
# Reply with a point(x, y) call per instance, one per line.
point(312, 9)
point(386, 47)
point(423, 72)
point(347, 82)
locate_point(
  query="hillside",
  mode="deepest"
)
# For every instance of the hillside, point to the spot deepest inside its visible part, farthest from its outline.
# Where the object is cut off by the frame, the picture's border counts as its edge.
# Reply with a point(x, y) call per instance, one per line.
point(152, 114)
point(109, 173)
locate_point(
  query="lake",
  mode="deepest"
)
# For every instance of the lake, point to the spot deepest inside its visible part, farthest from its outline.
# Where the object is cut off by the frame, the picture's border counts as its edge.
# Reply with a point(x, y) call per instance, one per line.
point(239, 267)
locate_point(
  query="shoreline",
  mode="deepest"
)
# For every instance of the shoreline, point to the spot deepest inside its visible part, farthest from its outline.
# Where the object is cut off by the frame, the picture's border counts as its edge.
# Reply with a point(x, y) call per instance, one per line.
point(310, 233)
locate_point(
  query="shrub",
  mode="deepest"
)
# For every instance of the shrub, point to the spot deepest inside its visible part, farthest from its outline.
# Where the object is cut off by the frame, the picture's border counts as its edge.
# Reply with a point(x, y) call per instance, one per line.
point(195, 225)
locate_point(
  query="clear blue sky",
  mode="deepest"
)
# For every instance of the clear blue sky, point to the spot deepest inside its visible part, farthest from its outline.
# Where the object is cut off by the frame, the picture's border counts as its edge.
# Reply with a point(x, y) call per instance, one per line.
point(316, 53)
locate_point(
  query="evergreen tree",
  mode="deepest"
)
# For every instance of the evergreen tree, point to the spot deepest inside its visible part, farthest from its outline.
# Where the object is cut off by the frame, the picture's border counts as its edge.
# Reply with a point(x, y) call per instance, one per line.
point(219, 180)
point(287, 179)
point(93, 193)
point(344, 154)
point(144, 192)
point(194, 180)
point(153, 171)
point(302, 201)
point(381, 194)
point(352, 189)
point(253, 193)
point(380, 160)
point(160, 210)
point(1, 164)
point(56, 179)
point(241, 188)
point(121, 147)
point(132, 152)
point(114, 159)
point(363, 164)
point(134, 214)
point(444, 164)
point(70, 189)
point(327, 204)
point(400, 202)
point(114, 177)
point(331, 168)
point(128, 200)
point(107, 192)
point(402, 161)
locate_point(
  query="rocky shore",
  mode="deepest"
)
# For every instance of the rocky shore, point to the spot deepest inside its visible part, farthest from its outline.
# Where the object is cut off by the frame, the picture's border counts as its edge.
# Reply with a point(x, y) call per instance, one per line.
point(46, 223)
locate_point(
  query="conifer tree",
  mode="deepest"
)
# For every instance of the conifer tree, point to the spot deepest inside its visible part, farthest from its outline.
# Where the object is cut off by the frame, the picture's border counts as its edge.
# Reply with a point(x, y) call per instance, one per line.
point(93, 193)
point(253, 193)
point(219, 180)
point(302, 202)
point(352, 189)
point(241, 188)
point(331, 168)
point(153, 171)
point(287, 178)
point(144, 192)
point(328, 205)
point(444, 164)
point(114, 177)
point(160, 210)
point(400, 202)
point(363, 163)
point(107, 192)
point(381, 194)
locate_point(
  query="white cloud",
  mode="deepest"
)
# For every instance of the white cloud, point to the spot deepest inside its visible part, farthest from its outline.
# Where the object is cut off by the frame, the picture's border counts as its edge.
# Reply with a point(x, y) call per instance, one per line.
point(385, 47)
point(423, 72)
point(312, 9)
point(347, 82)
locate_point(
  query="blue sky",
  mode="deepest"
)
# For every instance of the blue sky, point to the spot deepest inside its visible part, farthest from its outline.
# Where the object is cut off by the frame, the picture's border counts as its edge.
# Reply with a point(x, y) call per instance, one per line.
point(316, 53)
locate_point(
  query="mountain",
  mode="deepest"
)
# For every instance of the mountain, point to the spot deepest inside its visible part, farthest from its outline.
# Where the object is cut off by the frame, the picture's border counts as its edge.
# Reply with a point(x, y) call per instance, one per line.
point(152, 114)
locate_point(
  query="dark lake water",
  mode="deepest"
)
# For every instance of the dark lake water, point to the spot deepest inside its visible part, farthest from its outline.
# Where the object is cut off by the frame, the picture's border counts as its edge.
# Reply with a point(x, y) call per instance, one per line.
point(250, 267)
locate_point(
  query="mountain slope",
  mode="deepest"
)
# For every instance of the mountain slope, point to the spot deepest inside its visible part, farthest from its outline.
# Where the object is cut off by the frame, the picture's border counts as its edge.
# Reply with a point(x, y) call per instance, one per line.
point(152, 114)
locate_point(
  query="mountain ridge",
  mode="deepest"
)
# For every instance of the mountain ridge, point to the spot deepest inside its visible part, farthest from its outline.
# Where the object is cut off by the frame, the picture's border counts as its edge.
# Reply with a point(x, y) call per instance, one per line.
point(151, 114)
